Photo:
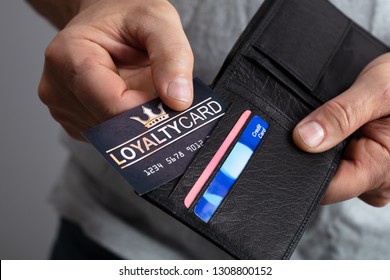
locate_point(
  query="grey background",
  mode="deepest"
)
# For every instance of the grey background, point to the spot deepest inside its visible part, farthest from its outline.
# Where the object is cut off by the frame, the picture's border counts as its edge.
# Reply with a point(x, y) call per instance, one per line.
point(30, 154)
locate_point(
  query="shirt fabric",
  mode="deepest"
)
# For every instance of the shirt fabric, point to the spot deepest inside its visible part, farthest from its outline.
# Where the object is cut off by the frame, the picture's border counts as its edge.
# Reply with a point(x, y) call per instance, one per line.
point(90, 193)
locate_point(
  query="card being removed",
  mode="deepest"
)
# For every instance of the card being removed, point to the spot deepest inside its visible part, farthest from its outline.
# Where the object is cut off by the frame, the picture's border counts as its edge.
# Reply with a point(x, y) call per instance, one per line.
point(152, 144)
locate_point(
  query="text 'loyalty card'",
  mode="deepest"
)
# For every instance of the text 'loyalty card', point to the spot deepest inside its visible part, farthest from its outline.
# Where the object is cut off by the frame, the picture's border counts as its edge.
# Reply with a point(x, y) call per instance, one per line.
point(152, 144)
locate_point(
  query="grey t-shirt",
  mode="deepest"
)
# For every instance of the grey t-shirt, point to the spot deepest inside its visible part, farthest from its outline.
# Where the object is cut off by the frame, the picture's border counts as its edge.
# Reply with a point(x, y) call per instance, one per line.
point(91, 194)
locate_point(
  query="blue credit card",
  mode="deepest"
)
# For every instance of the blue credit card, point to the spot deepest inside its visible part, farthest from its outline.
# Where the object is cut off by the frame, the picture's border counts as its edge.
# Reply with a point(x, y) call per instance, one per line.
point(231, 168)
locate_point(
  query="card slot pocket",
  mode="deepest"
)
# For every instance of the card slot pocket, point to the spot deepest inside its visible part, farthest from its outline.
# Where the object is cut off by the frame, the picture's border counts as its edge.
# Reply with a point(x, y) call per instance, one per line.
point(322, 33)
point(237, 157)
point(211, 145)
point(274, 197)
point(245, 99)
point(256, 85)
point(268, 207)
point(259, 62)
point(271, 98)
point(262, 208)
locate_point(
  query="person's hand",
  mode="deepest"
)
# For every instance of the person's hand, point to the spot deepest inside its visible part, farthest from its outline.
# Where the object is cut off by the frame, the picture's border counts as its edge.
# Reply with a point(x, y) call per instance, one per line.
point(364, 170)
point(112, 56)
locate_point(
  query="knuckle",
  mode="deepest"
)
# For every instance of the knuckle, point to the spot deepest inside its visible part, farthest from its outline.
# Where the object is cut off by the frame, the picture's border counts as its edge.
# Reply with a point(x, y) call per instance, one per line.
point(180, 54)
point(54, 50)
point(384, 99)
point(48, 96)
point(341, 115)
point(379, 196)
point(79, 71)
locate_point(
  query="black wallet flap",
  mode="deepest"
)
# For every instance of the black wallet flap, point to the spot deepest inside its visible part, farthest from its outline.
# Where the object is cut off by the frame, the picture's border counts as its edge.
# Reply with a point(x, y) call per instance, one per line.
point(313, 36)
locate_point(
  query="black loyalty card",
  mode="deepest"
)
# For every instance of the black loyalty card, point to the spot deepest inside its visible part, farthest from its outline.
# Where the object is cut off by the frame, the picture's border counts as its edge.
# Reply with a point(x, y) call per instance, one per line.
point(152, 144)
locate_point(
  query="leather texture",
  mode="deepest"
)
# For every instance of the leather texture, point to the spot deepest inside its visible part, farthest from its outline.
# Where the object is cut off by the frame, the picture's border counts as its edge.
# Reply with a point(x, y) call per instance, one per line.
point(293, 56)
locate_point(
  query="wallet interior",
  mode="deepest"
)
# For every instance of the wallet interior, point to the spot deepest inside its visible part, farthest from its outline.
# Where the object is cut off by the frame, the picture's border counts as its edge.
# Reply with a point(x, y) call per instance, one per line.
point(280, 69)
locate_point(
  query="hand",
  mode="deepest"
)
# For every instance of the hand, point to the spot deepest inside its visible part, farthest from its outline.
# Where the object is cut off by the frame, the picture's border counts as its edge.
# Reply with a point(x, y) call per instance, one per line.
point(364, 170)
point(112, 56)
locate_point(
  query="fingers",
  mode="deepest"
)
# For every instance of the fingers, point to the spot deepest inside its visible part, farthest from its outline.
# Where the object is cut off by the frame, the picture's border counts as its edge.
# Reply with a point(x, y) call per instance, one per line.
point(365, 177)
point(354, 175)
point(365, 106)
point(340, 117)
point(364, 170)
point(78, 70)
point(170, 55)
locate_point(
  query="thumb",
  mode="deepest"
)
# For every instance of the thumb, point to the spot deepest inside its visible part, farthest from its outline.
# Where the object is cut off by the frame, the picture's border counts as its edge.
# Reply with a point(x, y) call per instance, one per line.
point(170, 56)
point(337, 119)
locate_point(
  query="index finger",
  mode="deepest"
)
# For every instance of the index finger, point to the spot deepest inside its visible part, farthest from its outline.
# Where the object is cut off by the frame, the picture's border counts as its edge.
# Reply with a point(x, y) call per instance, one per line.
point(362, 170)
point(92, 76)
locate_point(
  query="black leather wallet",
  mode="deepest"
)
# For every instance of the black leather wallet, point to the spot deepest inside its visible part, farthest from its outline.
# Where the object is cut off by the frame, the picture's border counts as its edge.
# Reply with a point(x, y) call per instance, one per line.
point(293, 56)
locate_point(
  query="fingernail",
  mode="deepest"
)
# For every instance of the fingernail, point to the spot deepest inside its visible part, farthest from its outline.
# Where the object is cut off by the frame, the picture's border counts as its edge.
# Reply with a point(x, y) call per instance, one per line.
point(311, 134)
point(179, 89)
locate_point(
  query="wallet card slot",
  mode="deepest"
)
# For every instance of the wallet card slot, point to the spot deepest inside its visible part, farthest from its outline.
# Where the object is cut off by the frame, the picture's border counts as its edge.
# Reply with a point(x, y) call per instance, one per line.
point(217, 158)
point(270, 204)
point(222, 184)
point(274, 196)
point(335, 82)
point(256, 60)
point(205, 154)
point(275, 102)
point(267, 94)
point(305, 46)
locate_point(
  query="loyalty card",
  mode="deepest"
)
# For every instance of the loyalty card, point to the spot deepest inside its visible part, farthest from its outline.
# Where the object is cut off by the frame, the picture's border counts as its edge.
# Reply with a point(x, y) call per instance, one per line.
point(231, 168)
point(152, 144)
